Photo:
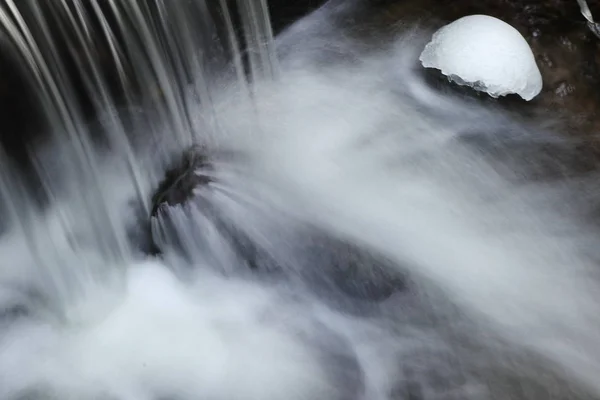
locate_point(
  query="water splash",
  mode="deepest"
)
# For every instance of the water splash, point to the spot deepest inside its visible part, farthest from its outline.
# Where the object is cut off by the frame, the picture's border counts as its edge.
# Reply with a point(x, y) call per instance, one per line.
point(119, 56)
point(337, 162)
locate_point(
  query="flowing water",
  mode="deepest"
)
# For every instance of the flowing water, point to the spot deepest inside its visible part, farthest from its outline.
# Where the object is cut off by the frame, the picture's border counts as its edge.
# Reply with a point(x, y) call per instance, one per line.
point(354, 232)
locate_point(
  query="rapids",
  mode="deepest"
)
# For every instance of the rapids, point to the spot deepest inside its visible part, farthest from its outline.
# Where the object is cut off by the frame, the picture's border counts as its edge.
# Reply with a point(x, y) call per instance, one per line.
point(362, 233)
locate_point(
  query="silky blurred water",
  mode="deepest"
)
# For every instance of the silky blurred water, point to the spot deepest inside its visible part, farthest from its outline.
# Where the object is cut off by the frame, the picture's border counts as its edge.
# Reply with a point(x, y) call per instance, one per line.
point(359, 234)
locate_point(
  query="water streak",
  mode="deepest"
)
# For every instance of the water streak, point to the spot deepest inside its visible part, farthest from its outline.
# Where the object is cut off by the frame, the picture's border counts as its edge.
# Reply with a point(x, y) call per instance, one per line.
point(114, 56)
point(341, 238)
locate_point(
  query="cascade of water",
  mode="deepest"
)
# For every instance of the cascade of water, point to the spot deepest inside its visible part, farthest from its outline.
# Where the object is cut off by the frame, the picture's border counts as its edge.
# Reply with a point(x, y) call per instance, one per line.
point(109, 56)
point(282, 297)
point(259, 38)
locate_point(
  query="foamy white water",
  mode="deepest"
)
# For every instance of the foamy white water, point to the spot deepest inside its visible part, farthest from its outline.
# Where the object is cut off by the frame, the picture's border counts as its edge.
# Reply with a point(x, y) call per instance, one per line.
point(501, 288)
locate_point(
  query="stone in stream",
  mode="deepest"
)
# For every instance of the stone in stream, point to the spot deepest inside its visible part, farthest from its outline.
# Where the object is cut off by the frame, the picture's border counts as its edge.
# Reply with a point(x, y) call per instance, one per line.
point(321, 259)
point(181, 179)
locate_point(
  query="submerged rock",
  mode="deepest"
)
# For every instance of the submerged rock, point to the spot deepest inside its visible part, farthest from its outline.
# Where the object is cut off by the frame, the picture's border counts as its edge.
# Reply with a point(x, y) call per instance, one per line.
point(183, 220)
point(178, 210)
point(182, 178)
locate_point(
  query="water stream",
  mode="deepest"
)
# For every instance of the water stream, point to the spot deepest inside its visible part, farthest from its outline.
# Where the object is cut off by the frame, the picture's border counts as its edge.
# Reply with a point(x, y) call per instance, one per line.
point(335, 230)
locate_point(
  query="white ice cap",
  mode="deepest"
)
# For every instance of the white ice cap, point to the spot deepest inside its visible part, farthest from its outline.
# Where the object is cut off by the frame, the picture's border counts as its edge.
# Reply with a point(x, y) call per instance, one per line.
point(485, 53)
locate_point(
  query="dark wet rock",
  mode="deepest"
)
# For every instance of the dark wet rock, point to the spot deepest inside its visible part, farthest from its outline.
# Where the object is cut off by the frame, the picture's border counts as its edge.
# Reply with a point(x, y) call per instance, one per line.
point(181, 187)
point(566, 50)
point(351, 269)
point(314, 256)
point(180, 181)
point(177, 187)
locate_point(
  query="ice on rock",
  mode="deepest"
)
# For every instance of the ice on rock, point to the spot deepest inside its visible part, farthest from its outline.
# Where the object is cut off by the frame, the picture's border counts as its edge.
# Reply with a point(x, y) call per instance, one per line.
point(485, 53)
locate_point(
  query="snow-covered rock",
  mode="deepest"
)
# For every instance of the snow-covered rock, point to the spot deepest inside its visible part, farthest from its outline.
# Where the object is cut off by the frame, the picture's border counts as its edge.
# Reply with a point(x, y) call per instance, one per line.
point(487, 54)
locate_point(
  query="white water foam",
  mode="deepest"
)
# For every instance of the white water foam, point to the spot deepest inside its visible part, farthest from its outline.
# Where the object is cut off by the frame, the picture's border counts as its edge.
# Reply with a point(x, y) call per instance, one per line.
point(364, 151)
